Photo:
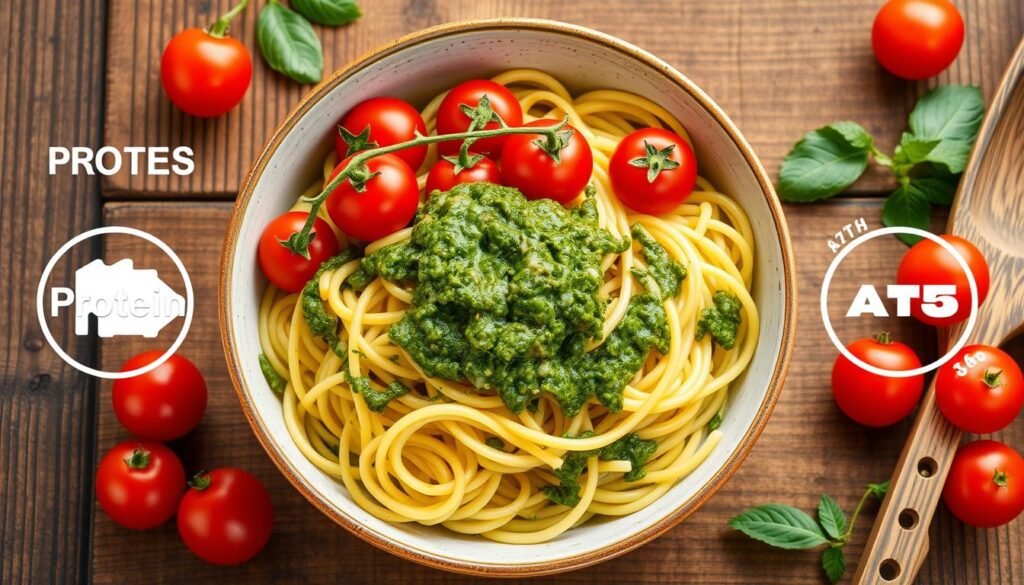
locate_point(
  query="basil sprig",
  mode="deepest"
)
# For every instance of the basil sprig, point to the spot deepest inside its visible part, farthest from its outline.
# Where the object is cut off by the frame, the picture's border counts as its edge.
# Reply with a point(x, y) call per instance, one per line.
point(287, 40)
point(787, 527)
point(927, 162)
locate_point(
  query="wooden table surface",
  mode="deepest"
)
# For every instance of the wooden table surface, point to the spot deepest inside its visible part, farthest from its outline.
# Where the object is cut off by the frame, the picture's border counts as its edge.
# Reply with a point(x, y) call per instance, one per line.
point(84, 74)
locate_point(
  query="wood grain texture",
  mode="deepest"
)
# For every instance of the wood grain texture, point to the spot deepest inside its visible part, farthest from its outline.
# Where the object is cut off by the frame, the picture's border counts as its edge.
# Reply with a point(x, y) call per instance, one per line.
point(808, 447)
point(50, 94)
point(989, 211)
point(778, 67)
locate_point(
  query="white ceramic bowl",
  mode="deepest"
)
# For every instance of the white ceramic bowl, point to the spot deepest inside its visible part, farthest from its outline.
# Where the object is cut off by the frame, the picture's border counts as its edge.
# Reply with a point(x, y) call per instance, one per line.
point(422, 65)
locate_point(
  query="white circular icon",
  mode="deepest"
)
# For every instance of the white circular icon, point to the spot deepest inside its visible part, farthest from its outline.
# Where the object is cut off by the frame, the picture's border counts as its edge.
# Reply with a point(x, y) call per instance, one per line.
point(189, 301)
point(961, 342)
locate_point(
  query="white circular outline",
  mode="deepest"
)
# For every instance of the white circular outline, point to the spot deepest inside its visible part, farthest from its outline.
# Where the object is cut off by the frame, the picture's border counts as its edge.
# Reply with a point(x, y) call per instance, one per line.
point(115, 229)
point(827, 282)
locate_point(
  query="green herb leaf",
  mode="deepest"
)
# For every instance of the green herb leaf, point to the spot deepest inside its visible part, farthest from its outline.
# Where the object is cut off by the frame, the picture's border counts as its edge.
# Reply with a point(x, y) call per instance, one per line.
point(912, 150)
point(949, 112)
point(834, 562)
point(879, 489)
point(907, 206)
point(780, 526)
point(950, 155)
point(289, 44)
point(831, 517)
point(824, 162)
point(274, 380)
point(328, 12)
point(937, 190)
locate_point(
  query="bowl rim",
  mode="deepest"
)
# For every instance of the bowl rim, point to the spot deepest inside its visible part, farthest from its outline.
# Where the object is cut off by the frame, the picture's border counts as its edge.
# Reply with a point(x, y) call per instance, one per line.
point(684, 509)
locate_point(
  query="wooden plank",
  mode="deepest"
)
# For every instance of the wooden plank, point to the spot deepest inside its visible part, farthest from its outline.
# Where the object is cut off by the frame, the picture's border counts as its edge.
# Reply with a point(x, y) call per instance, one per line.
point(779, 67)
point(807, 448)
point(50, 94)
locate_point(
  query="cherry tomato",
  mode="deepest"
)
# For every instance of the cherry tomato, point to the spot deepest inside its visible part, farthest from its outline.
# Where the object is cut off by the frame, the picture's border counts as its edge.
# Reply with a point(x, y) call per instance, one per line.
point(391, 121)
point(985, 486)
point(138, 484)
point(917, 39)
point(653, 191)
point(929, 263)
point(386, 203)
point(526, 166)
point(226, 517)
point(981, 390)
point(285, 269)
point(442, 175)
point(451, 118)
point(162, 404)
point(205, 75)
point(870, 399)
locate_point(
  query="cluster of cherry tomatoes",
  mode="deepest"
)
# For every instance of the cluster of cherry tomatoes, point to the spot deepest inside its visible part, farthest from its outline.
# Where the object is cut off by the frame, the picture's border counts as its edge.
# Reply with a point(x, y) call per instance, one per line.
point(225, 516)
point(652, 171)
point(980, 390)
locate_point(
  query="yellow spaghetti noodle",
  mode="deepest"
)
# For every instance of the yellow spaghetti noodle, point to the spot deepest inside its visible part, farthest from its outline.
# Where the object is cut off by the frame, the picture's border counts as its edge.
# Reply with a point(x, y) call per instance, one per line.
point(426, 458)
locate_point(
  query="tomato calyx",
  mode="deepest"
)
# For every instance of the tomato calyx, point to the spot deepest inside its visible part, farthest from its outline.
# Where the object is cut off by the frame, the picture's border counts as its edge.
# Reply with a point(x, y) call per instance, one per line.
point(993, 377)
point(359, 176)
point(200, 481)
point(139, 459)
point(1000, 478)
point(299, 242)
point(481, 115)
point(885, 338)
point(219, 29)
point(655, 161)
point(464, 161)
point(356, 142)
point(553, 144)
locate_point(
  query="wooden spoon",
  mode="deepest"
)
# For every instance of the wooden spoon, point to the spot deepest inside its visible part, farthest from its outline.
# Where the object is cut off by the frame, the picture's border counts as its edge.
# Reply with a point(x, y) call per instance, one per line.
point(988, 211)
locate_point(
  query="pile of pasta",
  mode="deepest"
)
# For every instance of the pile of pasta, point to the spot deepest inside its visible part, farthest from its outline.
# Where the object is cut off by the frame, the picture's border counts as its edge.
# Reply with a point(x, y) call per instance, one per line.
point(427, 457)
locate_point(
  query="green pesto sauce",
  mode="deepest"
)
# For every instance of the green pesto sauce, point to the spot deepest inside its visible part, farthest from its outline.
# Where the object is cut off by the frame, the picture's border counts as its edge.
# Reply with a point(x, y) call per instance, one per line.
point(507, 297)
point(722, 320)
point(322, 323)
point(629, 448)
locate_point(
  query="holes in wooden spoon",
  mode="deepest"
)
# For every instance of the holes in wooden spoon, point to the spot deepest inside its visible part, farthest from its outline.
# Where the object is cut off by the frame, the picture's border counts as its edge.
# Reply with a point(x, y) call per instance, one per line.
point(908, 519)
point(927, 467)
point(889, 570)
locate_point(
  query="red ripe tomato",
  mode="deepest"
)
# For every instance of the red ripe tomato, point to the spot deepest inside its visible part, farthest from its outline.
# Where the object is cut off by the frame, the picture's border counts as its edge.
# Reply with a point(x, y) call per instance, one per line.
point(386, 203)
point(526, 166)
point(442, 175)
point(929, 263)
point(451, 119)
point(285, 269)
point(981, 390)
point(665, 179)
point(917, 39)
point(138, 484)
point(226, 517)
point(985, 486)
point(391, 121)
point(870, 399)
point(203, 74)
point(164, 403)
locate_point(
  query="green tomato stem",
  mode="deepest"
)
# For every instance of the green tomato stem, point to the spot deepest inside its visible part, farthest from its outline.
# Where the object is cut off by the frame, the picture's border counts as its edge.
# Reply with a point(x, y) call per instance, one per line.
point(220, 27)
point(299, 242)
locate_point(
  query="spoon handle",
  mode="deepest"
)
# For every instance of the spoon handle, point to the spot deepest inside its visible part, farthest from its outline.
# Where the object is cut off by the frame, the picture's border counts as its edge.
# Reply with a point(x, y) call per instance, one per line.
point(898, 542)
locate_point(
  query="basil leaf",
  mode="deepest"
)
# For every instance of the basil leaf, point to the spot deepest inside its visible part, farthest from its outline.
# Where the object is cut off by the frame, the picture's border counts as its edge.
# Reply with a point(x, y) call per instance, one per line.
point(824, 162)
point(950, 112)
point(834, 562)
point(780, 526)
point(937, 190)
point(912, 149)
point(951, 154)
point(289, 44)
point(907, 206)
point(328, 12)
point(831, 517)
point(879, 489)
